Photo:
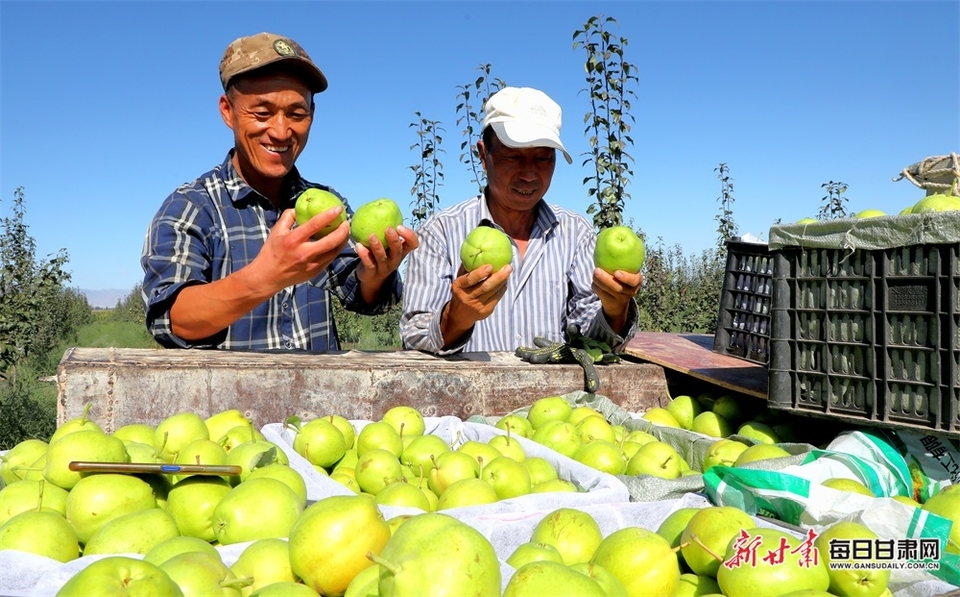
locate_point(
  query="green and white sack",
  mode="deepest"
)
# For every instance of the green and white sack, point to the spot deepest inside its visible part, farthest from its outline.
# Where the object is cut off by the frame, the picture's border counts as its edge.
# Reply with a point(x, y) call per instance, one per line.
point(795, 494)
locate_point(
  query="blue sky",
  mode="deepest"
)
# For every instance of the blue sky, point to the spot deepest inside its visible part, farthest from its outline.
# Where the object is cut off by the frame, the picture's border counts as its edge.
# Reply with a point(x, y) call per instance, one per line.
point(107, 107)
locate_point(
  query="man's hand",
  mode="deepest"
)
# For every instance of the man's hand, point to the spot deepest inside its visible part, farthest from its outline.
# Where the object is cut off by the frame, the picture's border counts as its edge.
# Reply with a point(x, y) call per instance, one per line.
point(474, 295)
point(615, 292)
point(288, 257)
point(380, 261)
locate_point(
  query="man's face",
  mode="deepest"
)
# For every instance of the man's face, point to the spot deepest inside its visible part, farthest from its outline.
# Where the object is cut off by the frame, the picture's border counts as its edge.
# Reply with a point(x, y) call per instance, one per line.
point(517, 178)
point(270, 117)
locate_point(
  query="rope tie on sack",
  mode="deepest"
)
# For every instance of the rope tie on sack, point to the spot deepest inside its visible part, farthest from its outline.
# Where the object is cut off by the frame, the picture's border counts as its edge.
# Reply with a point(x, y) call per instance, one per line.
point(926, 175)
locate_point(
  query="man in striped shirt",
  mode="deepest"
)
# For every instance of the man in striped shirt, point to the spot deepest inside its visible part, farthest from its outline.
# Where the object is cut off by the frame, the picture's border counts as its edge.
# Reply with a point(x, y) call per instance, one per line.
point(551, 282)
point(224, 265)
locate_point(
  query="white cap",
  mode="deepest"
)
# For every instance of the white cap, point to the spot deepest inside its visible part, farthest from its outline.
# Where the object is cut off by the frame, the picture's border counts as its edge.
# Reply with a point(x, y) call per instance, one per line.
point(524, 117)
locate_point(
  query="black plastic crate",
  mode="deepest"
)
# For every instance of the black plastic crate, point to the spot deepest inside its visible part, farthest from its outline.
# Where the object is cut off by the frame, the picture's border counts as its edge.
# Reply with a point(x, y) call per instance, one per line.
point(744, 319)
point(868, 335)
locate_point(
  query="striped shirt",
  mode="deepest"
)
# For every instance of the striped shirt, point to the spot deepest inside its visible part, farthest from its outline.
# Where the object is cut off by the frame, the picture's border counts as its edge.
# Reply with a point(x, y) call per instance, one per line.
point(549, 289)
point(217, 224)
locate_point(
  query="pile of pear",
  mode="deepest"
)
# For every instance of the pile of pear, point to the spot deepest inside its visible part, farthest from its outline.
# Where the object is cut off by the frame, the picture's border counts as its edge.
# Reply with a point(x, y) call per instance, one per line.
point(397, 462)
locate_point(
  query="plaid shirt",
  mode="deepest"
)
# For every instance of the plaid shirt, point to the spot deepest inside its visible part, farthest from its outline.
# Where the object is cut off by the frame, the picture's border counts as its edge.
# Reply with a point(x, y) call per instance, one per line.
point(548, 289)
point(217, 224)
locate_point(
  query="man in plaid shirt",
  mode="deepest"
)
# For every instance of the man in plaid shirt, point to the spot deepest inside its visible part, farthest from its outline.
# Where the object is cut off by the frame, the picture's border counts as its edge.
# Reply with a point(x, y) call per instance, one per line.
point(224, 265)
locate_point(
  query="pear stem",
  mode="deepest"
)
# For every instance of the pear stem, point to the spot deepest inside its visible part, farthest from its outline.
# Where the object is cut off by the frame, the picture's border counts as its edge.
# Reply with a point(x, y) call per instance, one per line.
point(393, 568)
point(706, 549)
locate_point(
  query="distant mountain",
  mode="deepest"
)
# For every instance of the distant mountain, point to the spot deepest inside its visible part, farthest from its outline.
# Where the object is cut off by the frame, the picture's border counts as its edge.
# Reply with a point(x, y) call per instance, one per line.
point(105, 298)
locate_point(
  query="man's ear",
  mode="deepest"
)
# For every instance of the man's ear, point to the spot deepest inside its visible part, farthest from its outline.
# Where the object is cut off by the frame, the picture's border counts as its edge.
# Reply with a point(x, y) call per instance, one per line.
point(226, 111)
point(482, 151)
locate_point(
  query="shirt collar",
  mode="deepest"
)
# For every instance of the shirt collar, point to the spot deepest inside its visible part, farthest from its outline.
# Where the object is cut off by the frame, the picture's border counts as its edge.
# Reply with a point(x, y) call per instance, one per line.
point(241, 193)
point(546, 217)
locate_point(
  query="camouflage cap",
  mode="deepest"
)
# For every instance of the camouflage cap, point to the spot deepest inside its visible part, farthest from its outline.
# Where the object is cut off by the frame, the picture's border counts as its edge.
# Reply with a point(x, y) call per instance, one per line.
point(250, 53)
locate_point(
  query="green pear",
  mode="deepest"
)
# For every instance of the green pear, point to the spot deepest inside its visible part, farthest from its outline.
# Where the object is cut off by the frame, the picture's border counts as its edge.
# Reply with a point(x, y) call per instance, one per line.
point(707, 534)
point(560, 436)
point(376, 469)
point(449, 467)
point(573, 532)
point(723, 452)
point(176, 431)
point(672, 527)
point(581, 412)
point(135, 432)
point(692, 585)
point(289, 589)
point(256, 509)
point(407, 420)
point(762, 432)
point(732, 409)
point(191, 502)
point(379, 435)
point(657, 458)
point(330, 542)
point(120, 574)
point(81, 423)
point(515, 424)
point(550, 578)
point(712, 424)
point(947, 504)
point(320, 442)
point(254, 454)
point(199, 573)
point(554, 485)
point(467, 492)
point(602, 455)
point(641, 560)
point(611, 585)
point(507, 477)
point(850, 582)
point(240, 434)
point(364, 584)
point(684, 409)
point(285, 473)
point(508, 446)
point(100, 498)
point(741, 576)
point(18, 457)
point(136, 532)
point(661, 416)
point(434, 554)
point(219, 423)
point(373, 219)
point(199, 451)
point(142, 453)
point(548, 408)
point(540, 470)
point(533, 552)
point(482, 452)
point(401, 493)
point(591, 428)
point(421, 451)
point(80, 445)
point(42, 532)
point(21, 496)
point(846, 484)
point(166, 549)
point(758, 452)
point(346, 428)
point(266, 561)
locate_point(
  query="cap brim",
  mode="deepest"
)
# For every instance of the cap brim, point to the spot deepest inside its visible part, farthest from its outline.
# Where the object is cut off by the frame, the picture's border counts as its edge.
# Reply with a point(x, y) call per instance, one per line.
point(518, 134)
point(311, 75)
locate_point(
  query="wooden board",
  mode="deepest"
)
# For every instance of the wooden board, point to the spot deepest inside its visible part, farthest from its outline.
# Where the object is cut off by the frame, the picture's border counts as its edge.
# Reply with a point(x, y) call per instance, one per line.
point(693, 354)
